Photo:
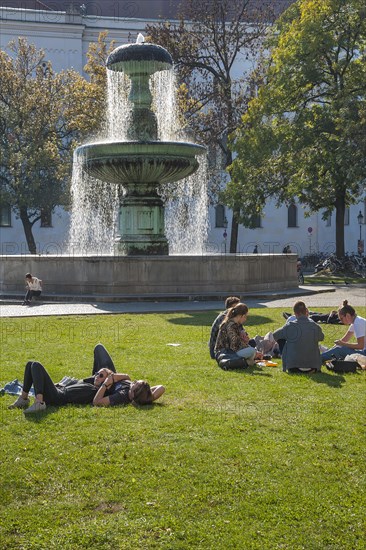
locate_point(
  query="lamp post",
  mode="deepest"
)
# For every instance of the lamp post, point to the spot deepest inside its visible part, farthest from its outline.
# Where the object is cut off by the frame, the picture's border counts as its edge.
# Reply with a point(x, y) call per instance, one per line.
point(225, 224)
point(360, 247)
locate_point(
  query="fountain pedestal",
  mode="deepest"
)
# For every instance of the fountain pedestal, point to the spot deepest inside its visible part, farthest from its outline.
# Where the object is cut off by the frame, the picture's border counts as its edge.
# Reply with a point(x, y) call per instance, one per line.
point(141, 222)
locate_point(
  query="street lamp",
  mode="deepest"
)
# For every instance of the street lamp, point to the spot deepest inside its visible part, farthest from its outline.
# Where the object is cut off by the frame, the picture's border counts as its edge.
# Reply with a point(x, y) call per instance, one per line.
point(225, 224)
point(360, 247)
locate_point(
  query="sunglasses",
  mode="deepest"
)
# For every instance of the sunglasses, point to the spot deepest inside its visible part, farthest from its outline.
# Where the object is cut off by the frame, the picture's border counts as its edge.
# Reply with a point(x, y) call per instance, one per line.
point(99, 375)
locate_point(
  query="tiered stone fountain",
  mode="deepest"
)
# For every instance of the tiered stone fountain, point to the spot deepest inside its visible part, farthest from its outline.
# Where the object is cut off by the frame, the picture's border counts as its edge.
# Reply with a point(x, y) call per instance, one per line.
point(141, 267)
point(143, 163)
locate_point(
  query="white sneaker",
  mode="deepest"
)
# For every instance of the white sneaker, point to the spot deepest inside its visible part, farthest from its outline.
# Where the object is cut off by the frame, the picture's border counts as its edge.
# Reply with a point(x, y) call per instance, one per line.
point(37, 406)
point(20, 403)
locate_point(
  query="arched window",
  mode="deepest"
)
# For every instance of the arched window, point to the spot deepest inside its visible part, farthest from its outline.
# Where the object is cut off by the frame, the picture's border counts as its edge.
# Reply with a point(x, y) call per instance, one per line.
point(346, 216)
point(5, 215)
point(292, 216)
point(256, 221)
point(220, 218)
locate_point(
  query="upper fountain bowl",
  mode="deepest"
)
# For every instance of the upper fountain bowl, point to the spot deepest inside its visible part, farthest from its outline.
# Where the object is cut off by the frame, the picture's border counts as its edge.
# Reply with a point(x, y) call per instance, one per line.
point(136, 58)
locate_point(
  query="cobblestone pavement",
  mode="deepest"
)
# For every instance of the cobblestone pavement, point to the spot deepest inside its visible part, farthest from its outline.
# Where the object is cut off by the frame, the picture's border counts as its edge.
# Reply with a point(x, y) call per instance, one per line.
point(323, 299)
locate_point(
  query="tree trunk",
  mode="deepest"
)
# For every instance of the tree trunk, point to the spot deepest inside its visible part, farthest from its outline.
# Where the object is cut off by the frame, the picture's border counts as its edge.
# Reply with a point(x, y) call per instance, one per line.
point(339, 233)
point(27, 225)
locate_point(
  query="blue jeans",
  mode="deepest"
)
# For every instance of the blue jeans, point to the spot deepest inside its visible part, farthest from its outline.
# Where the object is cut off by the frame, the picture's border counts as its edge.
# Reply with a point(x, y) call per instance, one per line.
point(340, 352)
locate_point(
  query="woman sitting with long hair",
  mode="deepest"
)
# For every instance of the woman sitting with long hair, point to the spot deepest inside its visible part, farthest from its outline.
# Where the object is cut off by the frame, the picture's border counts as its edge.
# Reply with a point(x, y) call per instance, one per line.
point(232, 335)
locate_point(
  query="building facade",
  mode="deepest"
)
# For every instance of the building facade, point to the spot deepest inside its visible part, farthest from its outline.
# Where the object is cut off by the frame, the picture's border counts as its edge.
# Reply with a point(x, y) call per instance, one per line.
point(64, 30)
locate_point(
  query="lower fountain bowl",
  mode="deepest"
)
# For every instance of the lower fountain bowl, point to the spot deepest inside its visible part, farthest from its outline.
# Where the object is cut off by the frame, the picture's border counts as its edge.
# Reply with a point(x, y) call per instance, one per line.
point(140, 162)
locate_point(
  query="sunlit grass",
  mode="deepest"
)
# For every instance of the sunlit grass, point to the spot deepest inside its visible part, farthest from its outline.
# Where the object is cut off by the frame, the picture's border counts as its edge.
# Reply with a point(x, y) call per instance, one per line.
point(246, 460)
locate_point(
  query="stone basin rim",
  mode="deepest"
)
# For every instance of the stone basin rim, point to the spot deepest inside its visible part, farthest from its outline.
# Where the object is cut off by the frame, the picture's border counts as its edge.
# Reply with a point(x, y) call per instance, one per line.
point(129, 148)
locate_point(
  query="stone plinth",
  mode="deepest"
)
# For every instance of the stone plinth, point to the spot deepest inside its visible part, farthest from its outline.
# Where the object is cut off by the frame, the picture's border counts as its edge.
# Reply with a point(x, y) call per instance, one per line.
point(149, 276)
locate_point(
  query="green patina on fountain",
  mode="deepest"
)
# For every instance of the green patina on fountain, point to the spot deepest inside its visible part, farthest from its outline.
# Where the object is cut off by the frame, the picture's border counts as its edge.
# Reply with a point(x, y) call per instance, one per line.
point(142, 163)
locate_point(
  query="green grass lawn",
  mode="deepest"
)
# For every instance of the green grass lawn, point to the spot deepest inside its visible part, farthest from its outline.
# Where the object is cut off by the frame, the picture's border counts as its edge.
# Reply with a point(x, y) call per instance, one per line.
point(256, 459)
point(326, 278)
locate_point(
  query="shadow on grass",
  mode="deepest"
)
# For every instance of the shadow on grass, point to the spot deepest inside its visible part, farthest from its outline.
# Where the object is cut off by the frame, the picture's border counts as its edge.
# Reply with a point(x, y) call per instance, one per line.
point(332, 380)
point(196, 319)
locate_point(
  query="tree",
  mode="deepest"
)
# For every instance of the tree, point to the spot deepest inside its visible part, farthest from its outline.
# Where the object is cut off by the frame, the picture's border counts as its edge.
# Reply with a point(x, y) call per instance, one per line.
point(304, 135)
point(42, 117)
point(206, 43)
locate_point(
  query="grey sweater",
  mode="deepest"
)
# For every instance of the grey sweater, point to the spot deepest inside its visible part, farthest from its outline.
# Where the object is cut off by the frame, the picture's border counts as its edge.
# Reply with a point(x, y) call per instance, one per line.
point(301, 349)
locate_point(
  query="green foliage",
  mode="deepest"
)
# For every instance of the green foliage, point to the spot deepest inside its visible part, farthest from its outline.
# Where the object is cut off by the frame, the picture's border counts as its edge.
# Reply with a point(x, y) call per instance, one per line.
point(256, 459)
point(43, 115)
point(308, 119)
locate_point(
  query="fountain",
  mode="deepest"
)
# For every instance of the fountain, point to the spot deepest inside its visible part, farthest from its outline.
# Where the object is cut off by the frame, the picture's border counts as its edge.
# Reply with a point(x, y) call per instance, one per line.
point(143, 163)
point(136, 166)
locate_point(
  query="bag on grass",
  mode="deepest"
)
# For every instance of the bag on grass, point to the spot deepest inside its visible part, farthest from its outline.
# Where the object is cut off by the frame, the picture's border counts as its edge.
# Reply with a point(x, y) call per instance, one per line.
point(229, 360)
point(342, 366)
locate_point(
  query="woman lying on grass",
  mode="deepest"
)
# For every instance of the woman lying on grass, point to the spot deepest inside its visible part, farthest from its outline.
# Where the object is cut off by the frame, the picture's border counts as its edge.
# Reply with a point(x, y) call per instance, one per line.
point(105, 387)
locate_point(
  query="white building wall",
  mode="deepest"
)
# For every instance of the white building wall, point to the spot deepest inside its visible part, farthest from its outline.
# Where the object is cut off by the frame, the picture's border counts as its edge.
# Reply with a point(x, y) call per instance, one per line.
point(65, 39)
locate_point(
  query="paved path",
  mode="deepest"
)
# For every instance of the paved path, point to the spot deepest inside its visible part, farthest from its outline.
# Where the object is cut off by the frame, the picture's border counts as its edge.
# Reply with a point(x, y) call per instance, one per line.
point(322, 298)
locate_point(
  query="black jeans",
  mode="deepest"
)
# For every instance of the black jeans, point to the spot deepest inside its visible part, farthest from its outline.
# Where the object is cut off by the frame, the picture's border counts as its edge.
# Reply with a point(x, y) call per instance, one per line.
point(36, 374)
point(102, 359)
point(30, 293)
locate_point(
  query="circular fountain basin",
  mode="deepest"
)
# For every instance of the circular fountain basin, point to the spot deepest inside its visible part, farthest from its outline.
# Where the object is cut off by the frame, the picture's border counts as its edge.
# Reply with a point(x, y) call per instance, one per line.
point(125, 162)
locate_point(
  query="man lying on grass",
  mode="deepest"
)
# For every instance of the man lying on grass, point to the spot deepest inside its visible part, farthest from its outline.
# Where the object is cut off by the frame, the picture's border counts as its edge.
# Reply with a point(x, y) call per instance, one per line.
point(104, 388)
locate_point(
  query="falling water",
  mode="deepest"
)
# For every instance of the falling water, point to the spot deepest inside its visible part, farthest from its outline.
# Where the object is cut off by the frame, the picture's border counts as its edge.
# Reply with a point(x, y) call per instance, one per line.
point(95, 203)
point(95, 208)
point(119, 108)
point(186, 213)
point(163, 88)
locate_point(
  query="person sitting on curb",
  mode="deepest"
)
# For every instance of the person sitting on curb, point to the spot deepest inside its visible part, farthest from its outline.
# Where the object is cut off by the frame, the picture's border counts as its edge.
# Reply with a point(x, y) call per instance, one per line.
point(232, 337)
point(34, 288)
point(357, 329)
point(300, 352)
point(229, 302)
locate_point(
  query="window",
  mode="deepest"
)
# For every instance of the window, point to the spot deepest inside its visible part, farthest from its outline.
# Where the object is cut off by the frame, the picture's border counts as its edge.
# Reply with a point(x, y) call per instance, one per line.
point(46, 217)
point(220, 218)
point(5, 215)
point(256, 221)
point(346, 216)
point(292, 216)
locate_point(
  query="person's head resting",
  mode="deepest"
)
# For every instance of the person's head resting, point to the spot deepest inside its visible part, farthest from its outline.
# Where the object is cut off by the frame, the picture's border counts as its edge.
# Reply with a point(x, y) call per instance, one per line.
point(239, 313)
point(300, 309)
point(141, 392)
point(28, 276)
point(231, 301)
point(346, 313)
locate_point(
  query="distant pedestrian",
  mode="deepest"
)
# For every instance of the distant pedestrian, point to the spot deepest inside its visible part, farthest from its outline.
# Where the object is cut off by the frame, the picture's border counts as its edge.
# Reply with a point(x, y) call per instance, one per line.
point(286, 249)
point(255, 249)
point(33, 286)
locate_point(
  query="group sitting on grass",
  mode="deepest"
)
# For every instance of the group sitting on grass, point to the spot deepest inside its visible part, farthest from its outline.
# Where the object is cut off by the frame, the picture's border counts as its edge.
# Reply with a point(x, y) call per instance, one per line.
point(298, 340)
point(105, 387)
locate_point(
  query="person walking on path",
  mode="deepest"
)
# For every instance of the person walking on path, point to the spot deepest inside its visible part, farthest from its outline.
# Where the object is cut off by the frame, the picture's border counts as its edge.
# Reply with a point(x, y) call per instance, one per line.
point(33, 286)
